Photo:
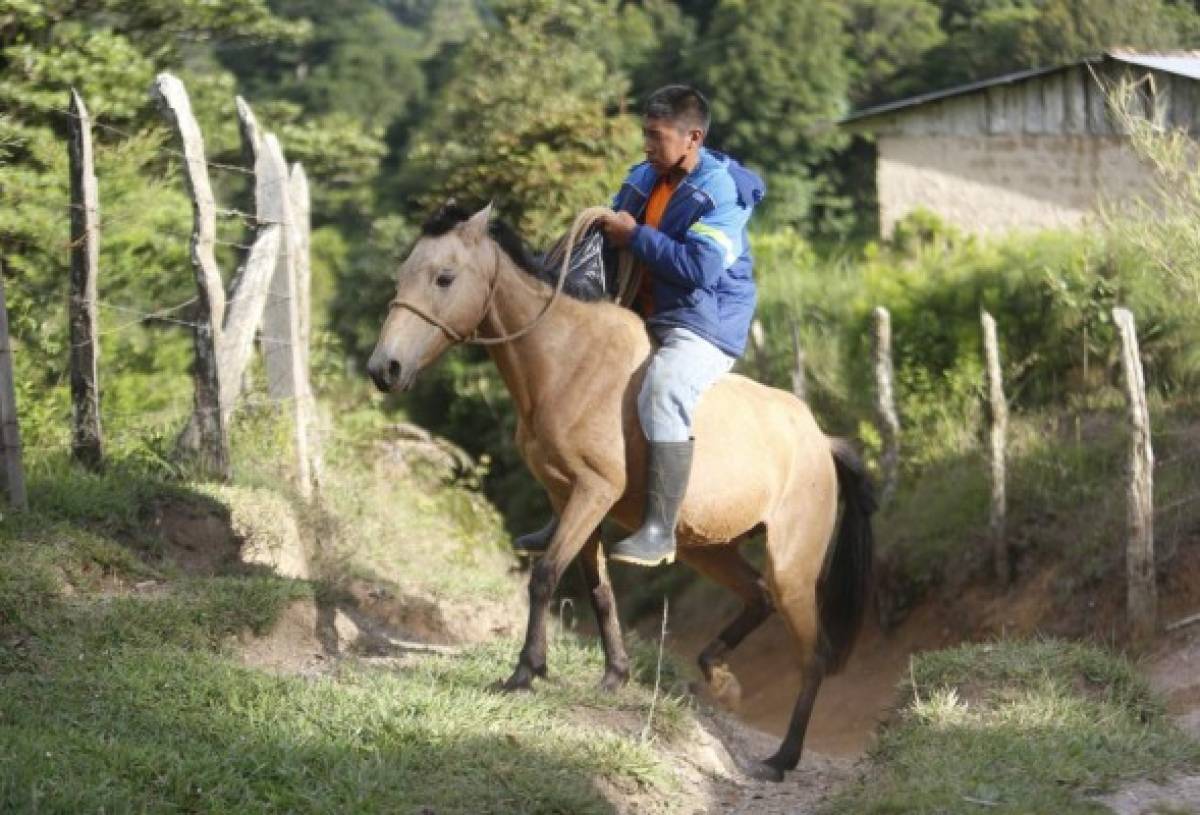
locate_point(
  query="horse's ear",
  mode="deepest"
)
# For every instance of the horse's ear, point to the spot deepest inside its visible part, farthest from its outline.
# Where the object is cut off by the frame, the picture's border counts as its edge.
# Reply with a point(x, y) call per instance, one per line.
point(475, 228)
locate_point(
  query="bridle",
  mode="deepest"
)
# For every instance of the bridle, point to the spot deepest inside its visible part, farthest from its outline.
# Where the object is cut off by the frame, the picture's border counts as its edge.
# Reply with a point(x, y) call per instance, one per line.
point(582, 223)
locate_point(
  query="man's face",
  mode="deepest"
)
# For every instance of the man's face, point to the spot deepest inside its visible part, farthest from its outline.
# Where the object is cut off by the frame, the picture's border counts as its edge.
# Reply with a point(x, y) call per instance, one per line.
point(668, 144)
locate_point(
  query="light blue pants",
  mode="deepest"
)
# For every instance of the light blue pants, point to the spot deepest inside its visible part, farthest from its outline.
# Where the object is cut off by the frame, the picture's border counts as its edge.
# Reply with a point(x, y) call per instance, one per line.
point(682, 369)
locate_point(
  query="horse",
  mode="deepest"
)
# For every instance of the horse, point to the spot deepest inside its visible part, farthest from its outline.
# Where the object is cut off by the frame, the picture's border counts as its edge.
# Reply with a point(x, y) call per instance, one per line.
point(573, 366)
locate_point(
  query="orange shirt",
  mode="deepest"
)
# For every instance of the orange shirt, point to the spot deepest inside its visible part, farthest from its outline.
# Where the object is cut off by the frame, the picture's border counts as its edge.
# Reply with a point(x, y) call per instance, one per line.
point(660, 196)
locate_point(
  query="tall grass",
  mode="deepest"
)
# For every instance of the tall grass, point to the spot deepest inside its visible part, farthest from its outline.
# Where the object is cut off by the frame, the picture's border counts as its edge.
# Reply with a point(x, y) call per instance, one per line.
point(1161, 225)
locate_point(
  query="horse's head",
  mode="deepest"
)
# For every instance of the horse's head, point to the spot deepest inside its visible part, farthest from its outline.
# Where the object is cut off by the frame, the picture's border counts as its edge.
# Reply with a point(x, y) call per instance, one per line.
point(443, 292)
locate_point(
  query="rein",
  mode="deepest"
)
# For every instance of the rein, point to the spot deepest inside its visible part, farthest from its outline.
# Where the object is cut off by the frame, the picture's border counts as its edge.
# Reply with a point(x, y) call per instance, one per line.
point(582, 223)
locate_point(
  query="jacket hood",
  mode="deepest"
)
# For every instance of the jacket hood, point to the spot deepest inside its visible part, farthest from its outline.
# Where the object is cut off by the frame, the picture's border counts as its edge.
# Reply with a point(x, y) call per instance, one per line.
point(751, 189)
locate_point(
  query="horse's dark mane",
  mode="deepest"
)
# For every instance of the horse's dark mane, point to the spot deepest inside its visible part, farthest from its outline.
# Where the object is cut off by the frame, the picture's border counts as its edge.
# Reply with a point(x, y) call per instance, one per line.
point(452, 214)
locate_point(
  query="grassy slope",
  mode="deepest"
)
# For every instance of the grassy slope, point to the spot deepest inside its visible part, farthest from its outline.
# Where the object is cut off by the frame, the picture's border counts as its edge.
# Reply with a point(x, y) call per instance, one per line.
point(1066, 508)
point(121, 689)
point(1017, 727)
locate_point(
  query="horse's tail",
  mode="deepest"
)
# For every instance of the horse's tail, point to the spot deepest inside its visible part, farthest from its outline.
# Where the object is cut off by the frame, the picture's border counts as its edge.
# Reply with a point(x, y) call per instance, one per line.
point(845, 586)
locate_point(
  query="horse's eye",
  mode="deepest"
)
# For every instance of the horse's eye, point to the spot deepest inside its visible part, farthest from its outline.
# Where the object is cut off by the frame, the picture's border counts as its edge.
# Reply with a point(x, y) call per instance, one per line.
point(444, 280)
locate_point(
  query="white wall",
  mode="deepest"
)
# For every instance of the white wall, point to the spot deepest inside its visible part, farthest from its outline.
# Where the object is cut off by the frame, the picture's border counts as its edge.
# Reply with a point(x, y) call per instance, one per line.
point(990, 184)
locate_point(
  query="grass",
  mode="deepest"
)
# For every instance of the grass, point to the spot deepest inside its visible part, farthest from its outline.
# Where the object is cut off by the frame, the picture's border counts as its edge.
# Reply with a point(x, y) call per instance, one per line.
point(121, 687)
point(397, 516)
point(1017, 727)
point(166, 728)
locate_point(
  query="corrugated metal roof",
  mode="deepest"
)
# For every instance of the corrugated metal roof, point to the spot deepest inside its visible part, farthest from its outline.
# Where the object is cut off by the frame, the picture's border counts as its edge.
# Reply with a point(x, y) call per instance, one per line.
point(1182, 63)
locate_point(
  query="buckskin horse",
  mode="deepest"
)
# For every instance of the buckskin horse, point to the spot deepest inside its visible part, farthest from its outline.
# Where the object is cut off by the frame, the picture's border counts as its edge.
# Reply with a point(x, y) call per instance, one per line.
point(573, 369)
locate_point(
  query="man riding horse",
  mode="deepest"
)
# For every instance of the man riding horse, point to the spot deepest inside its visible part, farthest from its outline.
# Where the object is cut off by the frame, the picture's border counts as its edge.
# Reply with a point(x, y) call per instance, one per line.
point(598, 407)
point(683, 214)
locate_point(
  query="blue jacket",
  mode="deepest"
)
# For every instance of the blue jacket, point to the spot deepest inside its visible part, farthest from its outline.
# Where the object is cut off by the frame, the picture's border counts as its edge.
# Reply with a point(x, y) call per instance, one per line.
point(699, 257)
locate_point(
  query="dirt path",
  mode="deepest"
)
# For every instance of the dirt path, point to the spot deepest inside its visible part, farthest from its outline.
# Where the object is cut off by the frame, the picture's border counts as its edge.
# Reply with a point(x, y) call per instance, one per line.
point(762, 686)
point(766, 681)
point(1174, 671)
point(802, 791)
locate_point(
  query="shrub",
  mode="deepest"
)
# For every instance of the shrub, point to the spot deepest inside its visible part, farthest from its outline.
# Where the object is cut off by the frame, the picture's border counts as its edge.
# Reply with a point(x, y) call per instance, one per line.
point(1051, 294)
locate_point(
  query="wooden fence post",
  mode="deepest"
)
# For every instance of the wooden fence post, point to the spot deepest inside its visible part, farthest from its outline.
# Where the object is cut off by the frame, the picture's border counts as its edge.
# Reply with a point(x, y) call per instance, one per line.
point(12, 473)
point(209, 314)
point(86, 439)
point(250, 287)
point(997, 415)
point(301, 219)
point(1142, 594)
point(302, 230)
point(287, 380)
point(758, 344)
point(798, 385)
point(885, 402)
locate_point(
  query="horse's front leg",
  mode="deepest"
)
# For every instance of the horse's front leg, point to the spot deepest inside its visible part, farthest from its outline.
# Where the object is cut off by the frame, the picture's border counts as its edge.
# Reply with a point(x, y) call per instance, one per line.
point(589, 502)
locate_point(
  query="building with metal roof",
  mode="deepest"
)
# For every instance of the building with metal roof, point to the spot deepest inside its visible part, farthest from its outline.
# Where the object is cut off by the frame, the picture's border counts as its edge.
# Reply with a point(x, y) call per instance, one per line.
point(1028, 150)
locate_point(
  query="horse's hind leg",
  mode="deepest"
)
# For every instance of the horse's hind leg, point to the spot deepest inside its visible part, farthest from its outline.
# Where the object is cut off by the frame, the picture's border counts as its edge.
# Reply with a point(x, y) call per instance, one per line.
point(823, 610)
point(616, 661)
point(798, 605)
point(725, 566)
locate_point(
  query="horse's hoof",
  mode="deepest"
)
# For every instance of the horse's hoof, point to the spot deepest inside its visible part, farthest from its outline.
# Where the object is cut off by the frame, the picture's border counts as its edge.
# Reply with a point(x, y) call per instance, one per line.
point(613, 681)
point(762, 771)
point(521, 680)
point(510, 686)
point(724, 687)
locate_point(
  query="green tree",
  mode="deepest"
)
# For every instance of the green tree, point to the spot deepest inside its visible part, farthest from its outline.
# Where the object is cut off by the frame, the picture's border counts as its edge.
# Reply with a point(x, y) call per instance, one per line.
point(647, 44)
point(1069, 29)
point(358, 60)
point(529, 119)
point(991, 37)
point(777, 75)
point(887, 38)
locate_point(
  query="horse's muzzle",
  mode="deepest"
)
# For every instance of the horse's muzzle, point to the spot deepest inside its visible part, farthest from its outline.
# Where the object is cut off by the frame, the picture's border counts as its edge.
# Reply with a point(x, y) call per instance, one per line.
point(389, 374)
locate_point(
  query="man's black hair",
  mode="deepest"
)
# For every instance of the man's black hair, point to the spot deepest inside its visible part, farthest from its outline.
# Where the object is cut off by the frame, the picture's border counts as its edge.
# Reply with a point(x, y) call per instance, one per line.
point(681, 104)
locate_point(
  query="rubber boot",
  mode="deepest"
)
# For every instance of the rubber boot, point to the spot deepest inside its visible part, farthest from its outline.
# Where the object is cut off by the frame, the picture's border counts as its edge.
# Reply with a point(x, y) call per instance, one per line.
point(669, 467)
point(532, 544)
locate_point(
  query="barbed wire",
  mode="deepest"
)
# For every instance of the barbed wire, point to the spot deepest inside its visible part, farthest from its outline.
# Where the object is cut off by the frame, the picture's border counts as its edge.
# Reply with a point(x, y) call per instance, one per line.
point(109, 222)
point(260, 185)
point(230, 213)
point(126, 134)
point(162, 315)
point(185, 407)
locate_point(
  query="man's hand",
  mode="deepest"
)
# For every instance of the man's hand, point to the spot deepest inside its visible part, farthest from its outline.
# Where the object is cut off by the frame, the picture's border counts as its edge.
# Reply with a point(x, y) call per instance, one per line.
point(618, 229)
